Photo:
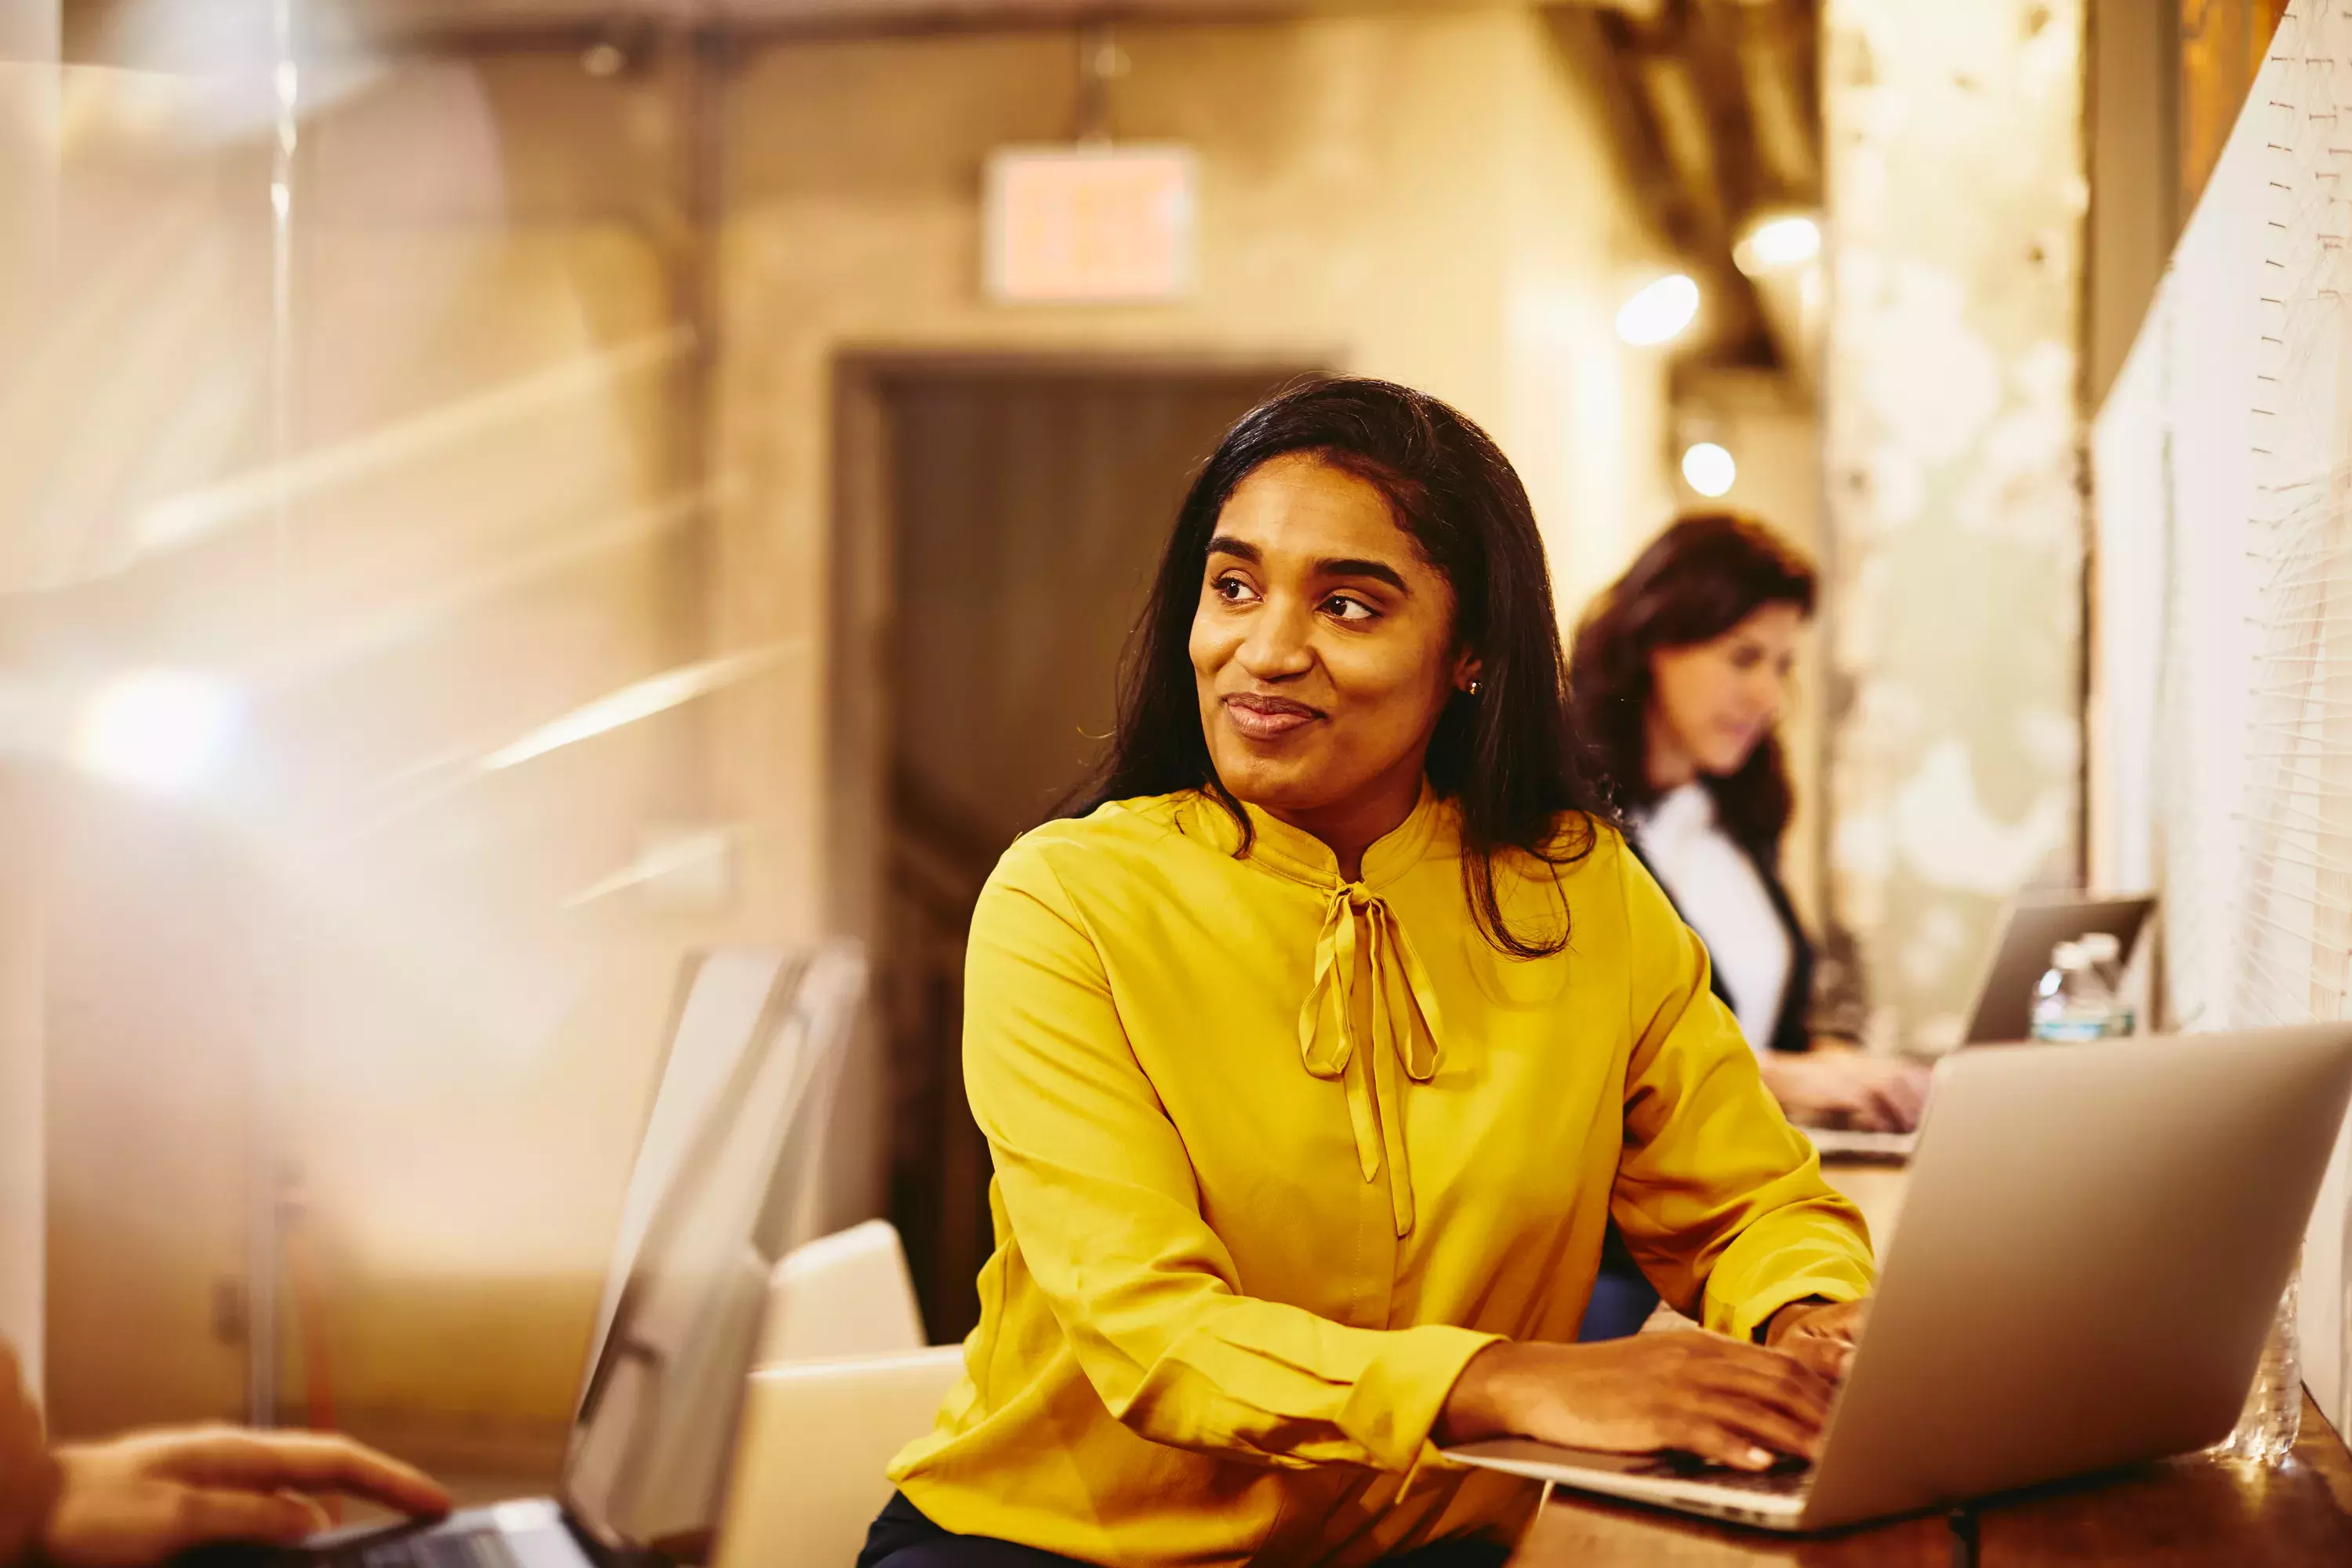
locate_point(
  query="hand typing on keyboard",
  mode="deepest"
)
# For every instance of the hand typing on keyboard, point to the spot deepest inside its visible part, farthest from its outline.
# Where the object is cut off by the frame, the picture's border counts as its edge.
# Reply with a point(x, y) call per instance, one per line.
point(138, 1500)
point(1721, 1399)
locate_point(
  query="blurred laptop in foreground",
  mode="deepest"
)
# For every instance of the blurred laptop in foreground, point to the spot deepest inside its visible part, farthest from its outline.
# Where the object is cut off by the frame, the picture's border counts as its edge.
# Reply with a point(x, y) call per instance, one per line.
point(717, 1196)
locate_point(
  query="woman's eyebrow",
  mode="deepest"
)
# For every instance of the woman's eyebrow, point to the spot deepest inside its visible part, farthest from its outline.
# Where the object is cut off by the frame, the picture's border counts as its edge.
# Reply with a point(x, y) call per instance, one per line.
point(1330, 566)
point(1375, 569)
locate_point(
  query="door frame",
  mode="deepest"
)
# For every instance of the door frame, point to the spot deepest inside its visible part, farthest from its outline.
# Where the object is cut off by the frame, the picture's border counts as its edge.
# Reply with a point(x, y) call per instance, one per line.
point(862, 541)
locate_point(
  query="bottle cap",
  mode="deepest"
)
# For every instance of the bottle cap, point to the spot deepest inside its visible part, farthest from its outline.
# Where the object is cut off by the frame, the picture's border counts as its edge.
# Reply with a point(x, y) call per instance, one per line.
point(2100, 946)
point(2066, 956)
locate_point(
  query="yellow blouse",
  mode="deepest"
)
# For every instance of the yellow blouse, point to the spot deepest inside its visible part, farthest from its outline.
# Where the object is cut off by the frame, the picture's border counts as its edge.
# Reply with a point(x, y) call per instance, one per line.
point(1276, 1154)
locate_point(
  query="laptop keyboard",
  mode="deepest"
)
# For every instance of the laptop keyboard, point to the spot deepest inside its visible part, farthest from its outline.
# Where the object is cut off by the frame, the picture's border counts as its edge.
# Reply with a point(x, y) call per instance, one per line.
point(1780, 1481)
point(1790, 1482)
point(432, 1549)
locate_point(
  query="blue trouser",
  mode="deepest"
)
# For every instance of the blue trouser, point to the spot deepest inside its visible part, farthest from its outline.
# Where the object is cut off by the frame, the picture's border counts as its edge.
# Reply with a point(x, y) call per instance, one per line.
point(1621, 1300)
point(903, 1537)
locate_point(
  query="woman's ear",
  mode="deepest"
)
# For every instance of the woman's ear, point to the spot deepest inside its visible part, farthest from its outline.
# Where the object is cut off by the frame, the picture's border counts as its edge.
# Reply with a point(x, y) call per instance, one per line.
point(1467, 668)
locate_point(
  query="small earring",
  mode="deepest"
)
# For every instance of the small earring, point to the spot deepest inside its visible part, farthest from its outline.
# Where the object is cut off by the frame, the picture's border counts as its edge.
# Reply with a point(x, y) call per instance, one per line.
point(1474, 689)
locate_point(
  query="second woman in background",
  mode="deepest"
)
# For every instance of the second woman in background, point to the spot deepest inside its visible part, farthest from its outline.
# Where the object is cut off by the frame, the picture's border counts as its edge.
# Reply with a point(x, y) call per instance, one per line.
point(1680, 672)
point(1679, 675)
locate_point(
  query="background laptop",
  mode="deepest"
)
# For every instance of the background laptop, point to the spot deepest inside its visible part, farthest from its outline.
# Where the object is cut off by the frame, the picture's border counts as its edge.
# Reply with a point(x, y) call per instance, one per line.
point(714, 1200)
point(2030, 927)
point(2069, 1291)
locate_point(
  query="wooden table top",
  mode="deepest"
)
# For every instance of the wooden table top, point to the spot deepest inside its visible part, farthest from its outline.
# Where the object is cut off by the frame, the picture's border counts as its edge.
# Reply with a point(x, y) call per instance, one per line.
point(2193, 1513)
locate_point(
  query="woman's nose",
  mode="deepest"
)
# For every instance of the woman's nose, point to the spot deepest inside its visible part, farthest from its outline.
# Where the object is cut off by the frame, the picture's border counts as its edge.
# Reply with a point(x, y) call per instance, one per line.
point(1278, 643)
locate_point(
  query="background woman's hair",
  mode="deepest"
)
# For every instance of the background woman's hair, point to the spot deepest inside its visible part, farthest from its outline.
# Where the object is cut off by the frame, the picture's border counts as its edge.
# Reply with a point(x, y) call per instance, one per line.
point(1511, 755)
point(1701, 577)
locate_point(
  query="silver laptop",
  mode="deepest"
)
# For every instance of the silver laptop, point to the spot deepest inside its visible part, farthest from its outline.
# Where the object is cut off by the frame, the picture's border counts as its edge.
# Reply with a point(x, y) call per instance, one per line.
point(2032, 927)
point(2091, 1251)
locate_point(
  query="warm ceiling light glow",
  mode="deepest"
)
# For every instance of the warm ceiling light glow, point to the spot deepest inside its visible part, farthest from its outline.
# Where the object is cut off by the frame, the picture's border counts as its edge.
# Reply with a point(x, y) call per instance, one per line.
point(162, 730)
point(640, 700)
point(1779, 242)
point(1708, 470)
point(1659, 312)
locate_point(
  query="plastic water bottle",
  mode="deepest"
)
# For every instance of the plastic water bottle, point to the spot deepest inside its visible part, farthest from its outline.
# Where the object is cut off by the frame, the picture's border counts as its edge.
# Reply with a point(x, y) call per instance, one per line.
point(2105, 955)
point(2074, 1001)
point(2273, 1417)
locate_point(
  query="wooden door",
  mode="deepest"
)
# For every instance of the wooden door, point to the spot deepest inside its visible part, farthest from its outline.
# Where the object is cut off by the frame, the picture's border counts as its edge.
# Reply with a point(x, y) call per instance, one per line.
point(1028, 512)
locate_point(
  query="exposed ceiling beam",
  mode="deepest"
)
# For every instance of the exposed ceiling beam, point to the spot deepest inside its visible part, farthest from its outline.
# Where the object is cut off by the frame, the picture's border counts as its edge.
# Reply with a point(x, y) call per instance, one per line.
point(140, 33)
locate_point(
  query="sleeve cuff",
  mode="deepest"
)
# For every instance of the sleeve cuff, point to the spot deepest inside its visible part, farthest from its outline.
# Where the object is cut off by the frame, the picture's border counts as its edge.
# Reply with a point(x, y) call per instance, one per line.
point(1752, 1312)
point(1401, 1393)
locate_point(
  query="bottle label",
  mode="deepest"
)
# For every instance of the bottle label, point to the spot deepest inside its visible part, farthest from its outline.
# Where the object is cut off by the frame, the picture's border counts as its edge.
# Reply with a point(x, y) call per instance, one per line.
point(2070, 1029)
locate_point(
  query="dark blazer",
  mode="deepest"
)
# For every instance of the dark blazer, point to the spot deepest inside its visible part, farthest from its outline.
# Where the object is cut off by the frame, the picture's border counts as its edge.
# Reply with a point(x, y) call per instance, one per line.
point(1792, 1031)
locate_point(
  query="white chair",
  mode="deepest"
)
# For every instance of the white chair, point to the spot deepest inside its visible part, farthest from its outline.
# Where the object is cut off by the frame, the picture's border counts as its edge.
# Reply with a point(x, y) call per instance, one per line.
point(846, 1294)
point(843, 1382)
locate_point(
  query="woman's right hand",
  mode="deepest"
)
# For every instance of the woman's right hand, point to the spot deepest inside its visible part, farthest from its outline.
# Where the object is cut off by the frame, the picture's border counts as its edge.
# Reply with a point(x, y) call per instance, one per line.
point(1722, 1399)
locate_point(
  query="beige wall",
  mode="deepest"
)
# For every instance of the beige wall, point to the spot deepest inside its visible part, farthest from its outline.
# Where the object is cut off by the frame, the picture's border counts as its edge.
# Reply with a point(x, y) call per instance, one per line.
point(28, 103)
point(488, 525)
point(1421, 196)
point(1955, 206)
point(494, 520)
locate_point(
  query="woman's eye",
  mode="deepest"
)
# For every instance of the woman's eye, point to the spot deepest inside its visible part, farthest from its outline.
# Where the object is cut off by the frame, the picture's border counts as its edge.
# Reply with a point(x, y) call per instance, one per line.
point(1746, 658)
point(1232, 590)
point(1347, 609)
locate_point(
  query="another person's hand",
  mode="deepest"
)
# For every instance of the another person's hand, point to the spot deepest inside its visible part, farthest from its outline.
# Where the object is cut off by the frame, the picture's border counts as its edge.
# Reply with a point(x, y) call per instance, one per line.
point(135, 1501)
point(29, 1478)
point(1735, 1404)
point(1878, 1094)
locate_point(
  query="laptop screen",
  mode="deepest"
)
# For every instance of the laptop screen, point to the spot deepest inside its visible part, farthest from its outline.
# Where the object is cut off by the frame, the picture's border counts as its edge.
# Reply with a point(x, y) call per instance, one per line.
point(725, 998)
point(707, 1215)
point(2030, 927)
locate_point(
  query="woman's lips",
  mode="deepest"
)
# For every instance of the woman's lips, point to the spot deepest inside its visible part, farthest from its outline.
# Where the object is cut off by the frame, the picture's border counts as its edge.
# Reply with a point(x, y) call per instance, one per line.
point(1267, 718)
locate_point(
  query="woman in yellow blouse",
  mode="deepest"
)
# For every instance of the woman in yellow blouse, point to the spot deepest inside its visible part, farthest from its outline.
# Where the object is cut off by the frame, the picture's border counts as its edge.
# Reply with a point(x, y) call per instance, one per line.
point(1317, 1056)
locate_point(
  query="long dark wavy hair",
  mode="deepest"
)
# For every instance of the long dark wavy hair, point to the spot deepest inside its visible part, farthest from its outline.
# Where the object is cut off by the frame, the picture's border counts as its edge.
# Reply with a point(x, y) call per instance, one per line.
point(1704, 576)
point(1511, 755)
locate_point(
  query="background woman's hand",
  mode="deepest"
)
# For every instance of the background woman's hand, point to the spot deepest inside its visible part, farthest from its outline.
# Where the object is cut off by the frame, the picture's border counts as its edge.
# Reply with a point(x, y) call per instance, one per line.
point(1878, 1094)
point(1733, 1403)
point(138, 1500)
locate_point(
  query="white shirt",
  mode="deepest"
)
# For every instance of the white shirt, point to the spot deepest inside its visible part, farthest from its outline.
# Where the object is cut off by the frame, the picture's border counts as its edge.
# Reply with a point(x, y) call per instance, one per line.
point(1723, 897)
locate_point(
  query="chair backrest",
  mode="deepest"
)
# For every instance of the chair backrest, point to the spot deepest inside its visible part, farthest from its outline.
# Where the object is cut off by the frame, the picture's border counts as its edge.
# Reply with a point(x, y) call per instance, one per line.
point(848, 1294)
point(843, 1382)
point(817, 1437)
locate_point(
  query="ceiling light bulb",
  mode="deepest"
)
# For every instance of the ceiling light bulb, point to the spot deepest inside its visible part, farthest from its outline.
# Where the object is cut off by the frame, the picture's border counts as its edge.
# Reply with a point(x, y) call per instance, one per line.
point(1709, 470)
point(1777, 242)
point(1659, 312)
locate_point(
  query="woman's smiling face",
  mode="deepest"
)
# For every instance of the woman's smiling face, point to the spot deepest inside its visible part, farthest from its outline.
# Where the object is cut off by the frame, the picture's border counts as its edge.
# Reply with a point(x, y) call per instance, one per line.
point(1323, 647)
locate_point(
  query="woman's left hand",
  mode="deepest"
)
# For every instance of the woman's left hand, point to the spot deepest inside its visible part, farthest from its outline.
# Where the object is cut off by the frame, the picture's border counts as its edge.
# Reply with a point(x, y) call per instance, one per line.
point(1823, 1335)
